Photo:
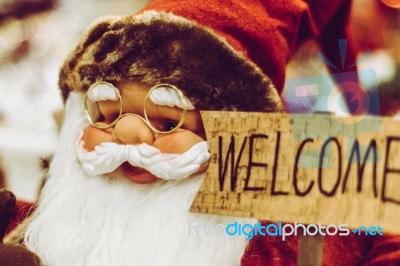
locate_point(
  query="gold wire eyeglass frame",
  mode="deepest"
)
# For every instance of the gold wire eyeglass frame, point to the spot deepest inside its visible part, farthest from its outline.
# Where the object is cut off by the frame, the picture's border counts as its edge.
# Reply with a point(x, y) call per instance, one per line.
point(145, 119)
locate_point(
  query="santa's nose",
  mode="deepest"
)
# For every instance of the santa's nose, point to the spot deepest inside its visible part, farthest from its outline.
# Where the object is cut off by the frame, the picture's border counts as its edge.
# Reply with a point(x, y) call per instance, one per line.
point(131, 129)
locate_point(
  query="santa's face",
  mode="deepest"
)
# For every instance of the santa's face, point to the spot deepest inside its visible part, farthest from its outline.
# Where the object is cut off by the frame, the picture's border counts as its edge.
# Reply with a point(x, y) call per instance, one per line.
point(120, 194)
point(131, 114)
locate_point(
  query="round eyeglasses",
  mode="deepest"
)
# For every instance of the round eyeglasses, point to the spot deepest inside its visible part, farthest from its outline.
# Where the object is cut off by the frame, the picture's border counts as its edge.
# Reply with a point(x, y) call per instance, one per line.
point(161, 95)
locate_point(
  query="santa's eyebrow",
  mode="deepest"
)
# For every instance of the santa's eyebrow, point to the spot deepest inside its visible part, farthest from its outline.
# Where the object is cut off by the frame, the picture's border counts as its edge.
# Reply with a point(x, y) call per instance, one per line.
point(169, 97)
point(103, 92)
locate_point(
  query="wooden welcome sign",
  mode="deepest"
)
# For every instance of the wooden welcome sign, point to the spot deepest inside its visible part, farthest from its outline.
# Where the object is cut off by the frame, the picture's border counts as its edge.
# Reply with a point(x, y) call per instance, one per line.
point(303, 168)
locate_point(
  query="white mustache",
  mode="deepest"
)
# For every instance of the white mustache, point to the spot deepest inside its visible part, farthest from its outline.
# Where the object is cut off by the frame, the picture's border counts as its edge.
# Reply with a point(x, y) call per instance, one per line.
point(108, 156)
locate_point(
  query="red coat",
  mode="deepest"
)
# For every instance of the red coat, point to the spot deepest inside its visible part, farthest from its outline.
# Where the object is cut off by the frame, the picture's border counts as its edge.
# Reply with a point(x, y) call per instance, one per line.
point(337, 251)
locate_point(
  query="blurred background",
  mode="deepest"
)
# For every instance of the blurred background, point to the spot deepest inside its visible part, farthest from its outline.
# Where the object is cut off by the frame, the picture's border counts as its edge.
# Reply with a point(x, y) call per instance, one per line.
point(36, 36)
point(375, 30)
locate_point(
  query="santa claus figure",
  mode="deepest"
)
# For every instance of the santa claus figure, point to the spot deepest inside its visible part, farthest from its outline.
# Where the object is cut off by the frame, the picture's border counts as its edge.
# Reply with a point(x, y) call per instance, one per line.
point(133, 152)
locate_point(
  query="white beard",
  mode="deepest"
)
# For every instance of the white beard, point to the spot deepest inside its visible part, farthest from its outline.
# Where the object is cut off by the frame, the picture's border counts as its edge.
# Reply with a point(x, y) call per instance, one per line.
point(98, 220)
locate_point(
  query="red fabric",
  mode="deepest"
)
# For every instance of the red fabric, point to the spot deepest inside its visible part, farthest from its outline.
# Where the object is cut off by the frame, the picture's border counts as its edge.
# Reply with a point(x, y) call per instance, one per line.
point(337, 251)
point(268, 31)
point(22, 211)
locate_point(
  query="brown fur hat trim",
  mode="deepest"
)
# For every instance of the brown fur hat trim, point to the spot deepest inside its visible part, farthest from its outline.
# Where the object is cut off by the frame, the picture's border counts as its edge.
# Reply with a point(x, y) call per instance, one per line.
point(156, 47)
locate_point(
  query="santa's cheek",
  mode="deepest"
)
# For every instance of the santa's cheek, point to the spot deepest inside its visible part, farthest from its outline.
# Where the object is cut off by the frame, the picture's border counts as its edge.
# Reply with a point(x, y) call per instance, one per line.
point(93, 136)
point(177, 142)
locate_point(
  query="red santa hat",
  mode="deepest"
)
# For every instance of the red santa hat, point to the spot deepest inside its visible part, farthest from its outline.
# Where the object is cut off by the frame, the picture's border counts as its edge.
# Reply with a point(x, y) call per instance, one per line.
point(224, 55)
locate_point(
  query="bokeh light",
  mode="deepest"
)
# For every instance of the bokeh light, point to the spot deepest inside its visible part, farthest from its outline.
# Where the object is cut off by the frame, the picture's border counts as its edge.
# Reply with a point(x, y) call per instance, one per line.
point(392, 3)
